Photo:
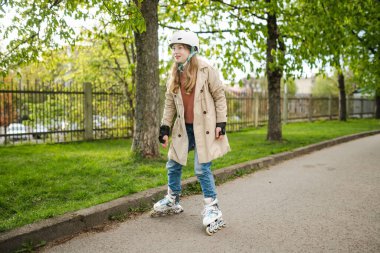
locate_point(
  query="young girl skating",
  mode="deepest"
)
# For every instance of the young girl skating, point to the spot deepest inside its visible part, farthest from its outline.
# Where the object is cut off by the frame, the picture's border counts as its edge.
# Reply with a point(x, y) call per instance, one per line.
point(195, 98)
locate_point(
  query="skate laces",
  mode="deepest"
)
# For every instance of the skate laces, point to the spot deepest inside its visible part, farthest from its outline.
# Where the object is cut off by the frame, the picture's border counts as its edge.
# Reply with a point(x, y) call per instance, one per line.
point(210, 210)
point(168, 200)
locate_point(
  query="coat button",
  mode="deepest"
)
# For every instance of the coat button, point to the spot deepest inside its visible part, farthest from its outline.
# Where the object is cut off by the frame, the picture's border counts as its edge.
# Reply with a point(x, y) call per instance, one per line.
point(204, 112)
point(179, 135)
point(201, 91)
point(207, 132)
point(179, 116)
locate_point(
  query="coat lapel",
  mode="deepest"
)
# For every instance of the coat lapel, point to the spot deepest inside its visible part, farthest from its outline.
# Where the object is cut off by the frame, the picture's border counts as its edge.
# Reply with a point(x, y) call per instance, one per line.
point(201, 78)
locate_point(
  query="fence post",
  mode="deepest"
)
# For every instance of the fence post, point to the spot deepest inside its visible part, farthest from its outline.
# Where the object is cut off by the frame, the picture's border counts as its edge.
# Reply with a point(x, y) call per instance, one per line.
point(330, 107)
point(361, 107)
point(311, 108)
point(87, 103)
point(257, 104)
point(285, 108)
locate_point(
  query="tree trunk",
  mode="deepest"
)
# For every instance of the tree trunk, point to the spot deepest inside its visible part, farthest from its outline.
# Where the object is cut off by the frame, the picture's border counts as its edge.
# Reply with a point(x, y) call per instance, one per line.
point(377, 100)
point(342, 98)
point(145, 138)
point(274, 74)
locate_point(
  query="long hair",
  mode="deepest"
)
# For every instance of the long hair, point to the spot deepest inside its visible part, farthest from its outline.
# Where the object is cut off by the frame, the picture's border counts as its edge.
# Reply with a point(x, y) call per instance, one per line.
point(191, 76)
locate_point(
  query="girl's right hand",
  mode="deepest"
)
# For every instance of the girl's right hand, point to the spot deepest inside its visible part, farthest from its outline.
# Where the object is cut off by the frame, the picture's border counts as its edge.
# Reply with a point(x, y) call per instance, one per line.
point(166, 139)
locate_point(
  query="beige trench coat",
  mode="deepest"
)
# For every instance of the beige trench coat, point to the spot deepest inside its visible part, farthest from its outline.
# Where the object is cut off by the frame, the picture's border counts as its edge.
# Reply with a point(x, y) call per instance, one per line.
point(210, 107)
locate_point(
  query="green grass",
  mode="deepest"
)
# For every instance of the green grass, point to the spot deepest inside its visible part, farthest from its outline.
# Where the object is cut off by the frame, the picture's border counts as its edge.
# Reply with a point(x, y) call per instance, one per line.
point(42, 181)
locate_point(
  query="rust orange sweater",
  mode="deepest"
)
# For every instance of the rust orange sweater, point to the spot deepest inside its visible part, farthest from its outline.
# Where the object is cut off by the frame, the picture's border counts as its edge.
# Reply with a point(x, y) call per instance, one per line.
point(188, 101)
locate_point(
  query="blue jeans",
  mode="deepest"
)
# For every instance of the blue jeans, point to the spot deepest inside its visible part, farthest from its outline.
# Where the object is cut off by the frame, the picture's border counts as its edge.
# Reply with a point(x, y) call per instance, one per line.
point(202, 170)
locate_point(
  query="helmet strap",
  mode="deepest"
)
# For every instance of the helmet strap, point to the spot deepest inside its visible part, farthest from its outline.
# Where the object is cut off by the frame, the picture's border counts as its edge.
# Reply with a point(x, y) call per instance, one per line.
point(181, 66)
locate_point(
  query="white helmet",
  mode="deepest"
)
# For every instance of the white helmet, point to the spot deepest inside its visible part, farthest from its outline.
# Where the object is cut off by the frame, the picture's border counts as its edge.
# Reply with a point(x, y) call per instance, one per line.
point(185, 37)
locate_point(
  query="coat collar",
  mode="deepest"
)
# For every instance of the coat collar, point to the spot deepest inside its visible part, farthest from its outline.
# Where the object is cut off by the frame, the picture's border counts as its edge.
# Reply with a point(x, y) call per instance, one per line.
point(202, 64)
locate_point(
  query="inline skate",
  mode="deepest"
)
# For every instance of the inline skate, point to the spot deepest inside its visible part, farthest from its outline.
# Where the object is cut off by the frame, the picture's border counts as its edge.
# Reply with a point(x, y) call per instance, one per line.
point(212, 216)
point(166, 206)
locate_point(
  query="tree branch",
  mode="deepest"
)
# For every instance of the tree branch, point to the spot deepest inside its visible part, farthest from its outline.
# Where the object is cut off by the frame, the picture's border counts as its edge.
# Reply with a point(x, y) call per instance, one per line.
point(56, 3)
point(33, 35)
point(361, 40)
point(204, 32)
point(234, 7)
point(126, 52)
point(371, 49)
point(182, 4)
point(116, 62)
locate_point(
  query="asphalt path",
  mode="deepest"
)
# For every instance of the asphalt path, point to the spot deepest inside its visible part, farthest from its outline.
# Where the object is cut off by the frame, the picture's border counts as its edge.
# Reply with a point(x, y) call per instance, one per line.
point(327, 201)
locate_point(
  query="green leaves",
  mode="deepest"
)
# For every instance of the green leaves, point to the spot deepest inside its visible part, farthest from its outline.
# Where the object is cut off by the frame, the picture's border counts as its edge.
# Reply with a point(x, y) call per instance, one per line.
point(233, 33)
point(340, 33)
point(43, 25)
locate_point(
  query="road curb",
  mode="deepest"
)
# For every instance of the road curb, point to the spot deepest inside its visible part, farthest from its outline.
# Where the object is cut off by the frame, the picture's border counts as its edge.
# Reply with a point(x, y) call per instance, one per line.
point(74, 223)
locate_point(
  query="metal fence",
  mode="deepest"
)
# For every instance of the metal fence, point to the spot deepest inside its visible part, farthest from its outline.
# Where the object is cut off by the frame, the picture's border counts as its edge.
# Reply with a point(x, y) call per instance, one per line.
point(45, 112)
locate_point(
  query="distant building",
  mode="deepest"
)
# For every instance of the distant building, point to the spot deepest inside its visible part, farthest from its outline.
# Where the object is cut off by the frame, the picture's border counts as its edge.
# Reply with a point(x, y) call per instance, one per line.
point(304, 85)
point(246, 87)
point(253, 85)
point(7, 112)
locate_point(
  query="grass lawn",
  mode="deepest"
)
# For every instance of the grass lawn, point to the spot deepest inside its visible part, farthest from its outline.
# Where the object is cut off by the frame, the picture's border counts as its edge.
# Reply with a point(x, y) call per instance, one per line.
point(42, 181)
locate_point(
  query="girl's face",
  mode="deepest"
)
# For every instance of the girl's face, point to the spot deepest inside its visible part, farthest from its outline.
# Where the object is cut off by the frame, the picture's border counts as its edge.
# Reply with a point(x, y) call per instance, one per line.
point(180, 53)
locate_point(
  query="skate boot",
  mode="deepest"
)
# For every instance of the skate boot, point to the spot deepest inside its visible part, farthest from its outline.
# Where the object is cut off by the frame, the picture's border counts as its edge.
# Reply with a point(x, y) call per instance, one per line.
point(168, 205)
point(212, 216)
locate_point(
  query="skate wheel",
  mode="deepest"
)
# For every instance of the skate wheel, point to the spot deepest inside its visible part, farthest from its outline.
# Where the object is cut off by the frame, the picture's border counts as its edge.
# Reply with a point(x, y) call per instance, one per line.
point(221, 224)
point(208, 231)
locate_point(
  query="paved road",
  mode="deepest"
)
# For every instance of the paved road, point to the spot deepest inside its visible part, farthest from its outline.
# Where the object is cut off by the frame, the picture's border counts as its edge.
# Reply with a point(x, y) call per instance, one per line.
point(327, 201)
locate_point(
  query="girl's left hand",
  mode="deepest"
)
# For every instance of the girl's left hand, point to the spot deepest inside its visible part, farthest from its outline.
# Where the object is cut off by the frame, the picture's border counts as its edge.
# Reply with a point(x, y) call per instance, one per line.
point(217, 133)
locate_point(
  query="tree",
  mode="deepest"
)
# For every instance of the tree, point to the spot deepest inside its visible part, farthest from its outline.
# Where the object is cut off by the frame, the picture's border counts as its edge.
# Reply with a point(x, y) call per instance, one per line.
point(37, 24)
point(274, 70)
point(324, 87)
point(368, 77)
point(291, 87)
point(105, 60)
point(366, 65)
point(145, 141)
point(110, 62)
point(348, 36)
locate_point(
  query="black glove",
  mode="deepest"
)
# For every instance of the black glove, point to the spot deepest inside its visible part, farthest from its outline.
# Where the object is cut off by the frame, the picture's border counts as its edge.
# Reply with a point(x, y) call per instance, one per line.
point(164, 130)
point(222, 125)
